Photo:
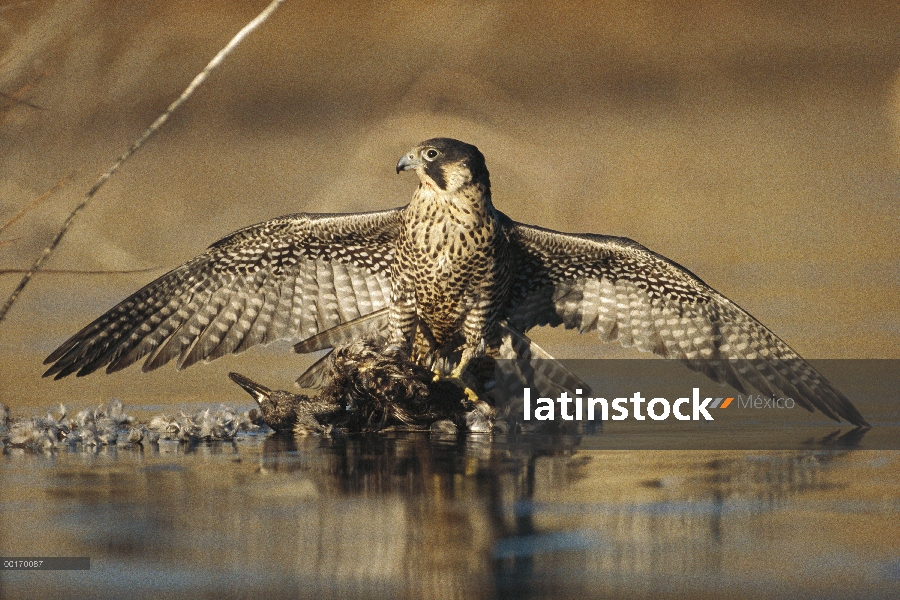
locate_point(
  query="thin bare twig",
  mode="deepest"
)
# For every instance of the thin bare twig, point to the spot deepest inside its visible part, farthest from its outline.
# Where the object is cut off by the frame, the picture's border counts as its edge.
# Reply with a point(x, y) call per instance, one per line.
point(16, 97)
point(198, 80)
point(37, 200)
point(78, 272)
point(16, 100)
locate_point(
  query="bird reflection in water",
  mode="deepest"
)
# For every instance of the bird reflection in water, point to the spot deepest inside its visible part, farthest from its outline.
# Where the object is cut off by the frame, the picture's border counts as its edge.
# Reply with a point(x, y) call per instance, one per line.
point(413, 514)
point(458, 505)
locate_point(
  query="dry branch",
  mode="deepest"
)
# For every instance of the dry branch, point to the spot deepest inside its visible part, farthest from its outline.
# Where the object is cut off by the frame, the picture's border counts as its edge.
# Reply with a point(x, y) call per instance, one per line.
point(198, 80)
point(80, 272)
point(37, 201)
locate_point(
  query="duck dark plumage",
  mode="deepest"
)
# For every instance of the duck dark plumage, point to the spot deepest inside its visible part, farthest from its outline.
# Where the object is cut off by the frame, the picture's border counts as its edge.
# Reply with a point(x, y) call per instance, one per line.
point(367, 389)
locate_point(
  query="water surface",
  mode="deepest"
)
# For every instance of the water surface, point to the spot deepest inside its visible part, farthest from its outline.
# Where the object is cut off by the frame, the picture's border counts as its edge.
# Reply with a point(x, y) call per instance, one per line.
point(411, 515)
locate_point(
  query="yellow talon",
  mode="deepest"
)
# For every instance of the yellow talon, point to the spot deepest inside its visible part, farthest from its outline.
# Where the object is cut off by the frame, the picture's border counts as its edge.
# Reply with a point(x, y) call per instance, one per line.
point(456, 379)
point(470, 394)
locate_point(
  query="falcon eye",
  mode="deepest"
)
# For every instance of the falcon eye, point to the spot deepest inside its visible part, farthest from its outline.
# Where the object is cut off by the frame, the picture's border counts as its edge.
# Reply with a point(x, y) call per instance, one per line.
point(431, 154)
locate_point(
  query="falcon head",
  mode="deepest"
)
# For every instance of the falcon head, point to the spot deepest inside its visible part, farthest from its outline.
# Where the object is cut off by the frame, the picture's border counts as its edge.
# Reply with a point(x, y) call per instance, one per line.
point(446, 164)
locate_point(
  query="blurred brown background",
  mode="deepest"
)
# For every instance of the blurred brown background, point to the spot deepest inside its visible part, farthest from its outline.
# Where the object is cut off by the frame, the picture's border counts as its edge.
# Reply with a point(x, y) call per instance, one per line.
point(756, 143)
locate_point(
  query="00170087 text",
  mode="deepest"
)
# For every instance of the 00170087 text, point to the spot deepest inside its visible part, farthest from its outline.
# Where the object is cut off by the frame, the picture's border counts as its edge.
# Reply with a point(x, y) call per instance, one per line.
point(22, 564)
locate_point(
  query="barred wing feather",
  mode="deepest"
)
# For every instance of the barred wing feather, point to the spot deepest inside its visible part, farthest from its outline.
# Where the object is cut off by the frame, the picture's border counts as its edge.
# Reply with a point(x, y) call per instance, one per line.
point(293, 276)
point(627, 293)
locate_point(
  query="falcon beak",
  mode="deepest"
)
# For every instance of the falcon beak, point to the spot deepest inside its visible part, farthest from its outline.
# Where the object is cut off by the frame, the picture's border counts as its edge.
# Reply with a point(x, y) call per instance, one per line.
point(408, 162)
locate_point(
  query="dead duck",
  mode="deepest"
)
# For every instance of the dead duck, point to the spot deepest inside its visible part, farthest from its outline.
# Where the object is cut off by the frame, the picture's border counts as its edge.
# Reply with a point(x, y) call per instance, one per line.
point(369, 389)
point(283, 411)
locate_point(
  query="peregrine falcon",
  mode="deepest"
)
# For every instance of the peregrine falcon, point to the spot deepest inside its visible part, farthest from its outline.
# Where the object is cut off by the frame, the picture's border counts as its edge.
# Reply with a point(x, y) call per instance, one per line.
point(446, 278)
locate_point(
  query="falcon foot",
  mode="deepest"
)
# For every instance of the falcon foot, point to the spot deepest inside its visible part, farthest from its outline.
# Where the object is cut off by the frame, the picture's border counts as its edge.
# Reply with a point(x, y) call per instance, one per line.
point(457, 380)
point(470, 374)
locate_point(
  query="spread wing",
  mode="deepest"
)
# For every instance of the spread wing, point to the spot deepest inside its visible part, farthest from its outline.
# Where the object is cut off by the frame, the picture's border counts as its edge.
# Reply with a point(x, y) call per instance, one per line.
point(289, 277)
point(625, 292)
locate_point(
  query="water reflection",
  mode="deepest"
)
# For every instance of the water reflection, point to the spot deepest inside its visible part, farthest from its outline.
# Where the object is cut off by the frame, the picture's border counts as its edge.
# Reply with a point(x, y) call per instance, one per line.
point(415, 516)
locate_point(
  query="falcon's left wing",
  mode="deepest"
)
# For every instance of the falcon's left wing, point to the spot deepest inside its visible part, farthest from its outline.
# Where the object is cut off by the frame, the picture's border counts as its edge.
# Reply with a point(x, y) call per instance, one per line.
point(627, 293)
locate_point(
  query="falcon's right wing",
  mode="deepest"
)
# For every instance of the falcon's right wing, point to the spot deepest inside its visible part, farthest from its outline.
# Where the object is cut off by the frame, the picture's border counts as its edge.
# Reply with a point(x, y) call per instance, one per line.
point(293, 276)
point(625, 292)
